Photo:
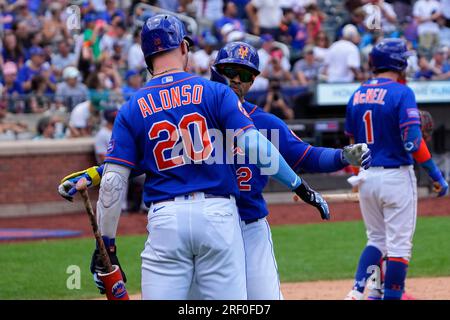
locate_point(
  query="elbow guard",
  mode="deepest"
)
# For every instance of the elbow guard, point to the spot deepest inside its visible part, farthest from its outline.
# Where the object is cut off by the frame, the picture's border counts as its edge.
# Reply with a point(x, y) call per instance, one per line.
point(422, 155)
point(412, 137)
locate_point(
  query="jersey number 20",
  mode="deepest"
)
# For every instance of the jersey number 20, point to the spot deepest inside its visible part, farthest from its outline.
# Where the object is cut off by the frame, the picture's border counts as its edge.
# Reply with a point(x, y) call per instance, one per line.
point(367, 118)
point(173, 135)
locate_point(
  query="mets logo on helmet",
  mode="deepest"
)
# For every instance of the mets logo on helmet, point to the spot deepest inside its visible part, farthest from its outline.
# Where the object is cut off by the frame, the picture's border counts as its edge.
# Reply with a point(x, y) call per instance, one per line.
point(243, 52)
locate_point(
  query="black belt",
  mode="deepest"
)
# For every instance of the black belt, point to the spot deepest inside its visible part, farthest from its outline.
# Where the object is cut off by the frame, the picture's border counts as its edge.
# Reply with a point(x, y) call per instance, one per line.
point(250, 221)
point(391, 167)
point(207, 196)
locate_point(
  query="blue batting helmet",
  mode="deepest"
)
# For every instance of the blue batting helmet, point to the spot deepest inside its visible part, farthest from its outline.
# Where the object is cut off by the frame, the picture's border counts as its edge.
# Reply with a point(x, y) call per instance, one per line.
point(239, 53)
point(161, 33)
point(389, 54)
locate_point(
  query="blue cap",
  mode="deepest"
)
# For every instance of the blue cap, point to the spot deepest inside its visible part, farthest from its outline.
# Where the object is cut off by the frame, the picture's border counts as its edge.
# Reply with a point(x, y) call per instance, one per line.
point(35, 51)
point(130, 73)
point(90, 17)
point(266, 37)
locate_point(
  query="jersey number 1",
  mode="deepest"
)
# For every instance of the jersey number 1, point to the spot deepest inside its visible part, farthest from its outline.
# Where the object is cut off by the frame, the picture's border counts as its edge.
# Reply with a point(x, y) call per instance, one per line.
point(173, 135)
point(367, 118)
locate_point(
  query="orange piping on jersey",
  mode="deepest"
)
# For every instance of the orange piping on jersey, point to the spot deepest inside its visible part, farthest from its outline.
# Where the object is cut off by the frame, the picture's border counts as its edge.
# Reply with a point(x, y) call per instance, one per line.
point(120, 160)
point(170, 83)
point(243, 129)
point(423, 154)
point(301, 158)
point(409, 122)
point(254, 109)
point(398, 260)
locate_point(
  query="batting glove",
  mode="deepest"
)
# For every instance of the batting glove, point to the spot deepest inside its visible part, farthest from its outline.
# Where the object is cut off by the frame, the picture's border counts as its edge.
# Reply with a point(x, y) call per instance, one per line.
point(97, 264)
point(93, 176)
point(313, 198)
point(357, 155)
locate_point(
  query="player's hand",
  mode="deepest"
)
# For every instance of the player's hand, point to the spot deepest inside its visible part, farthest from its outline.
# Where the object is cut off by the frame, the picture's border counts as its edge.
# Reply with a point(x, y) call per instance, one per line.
point(67, 186)
point(357, 155)
point(313, 198)
point(440, 187)
point(98, 267)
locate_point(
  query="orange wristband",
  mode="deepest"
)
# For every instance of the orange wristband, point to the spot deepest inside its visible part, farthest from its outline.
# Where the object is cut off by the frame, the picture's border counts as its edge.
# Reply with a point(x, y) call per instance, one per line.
point(423, 154)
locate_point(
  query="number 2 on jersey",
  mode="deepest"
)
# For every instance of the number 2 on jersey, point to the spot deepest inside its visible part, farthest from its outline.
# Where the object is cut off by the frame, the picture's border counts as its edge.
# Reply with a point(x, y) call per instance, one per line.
point(173, 135)
point(367, 118)
point(244, 174)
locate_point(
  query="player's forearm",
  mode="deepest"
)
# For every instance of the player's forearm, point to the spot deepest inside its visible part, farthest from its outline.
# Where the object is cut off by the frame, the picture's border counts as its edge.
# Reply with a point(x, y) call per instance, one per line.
point(263, 153)
point(321, 159)
point(109, 206)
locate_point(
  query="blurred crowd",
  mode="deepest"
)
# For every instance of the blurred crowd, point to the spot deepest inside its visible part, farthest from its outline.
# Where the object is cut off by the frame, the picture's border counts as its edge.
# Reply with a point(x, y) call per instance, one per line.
point(73, 72)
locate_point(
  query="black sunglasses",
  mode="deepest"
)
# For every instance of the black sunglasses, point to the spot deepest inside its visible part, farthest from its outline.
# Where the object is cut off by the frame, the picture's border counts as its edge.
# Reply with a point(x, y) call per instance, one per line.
point(232, 72)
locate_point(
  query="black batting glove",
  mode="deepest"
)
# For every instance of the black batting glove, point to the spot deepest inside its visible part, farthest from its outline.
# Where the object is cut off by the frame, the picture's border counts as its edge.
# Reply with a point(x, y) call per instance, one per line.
point(313, 198)
point(97, 264)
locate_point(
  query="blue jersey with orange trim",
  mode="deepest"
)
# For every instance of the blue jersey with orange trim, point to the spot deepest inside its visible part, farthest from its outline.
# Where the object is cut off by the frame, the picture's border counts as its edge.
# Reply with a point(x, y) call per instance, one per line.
point(377, 112)
point(251, 183)
point(174, 129)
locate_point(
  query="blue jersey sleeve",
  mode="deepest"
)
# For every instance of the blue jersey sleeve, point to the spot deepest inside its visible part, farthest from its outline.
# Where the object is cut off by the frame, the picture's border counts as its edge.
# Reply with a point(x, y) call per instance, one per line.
point(408, 112)
point(232, 114)
point(349, 130)
point(122, 146)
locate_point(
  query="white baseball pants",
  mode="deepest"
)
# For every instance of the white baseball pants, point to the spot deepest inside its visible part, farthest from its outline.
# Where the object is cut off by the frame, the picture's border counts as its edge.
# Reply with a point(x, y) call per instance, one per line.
point(194, 235)
point(388, 202)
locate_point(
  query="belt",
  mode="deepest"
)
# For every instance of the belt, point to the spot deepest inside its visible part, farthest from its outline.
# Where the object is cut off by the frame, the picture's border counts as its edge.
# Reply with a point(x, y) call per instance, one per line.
point(186, 197)
point(250, 221)
point(391, 167)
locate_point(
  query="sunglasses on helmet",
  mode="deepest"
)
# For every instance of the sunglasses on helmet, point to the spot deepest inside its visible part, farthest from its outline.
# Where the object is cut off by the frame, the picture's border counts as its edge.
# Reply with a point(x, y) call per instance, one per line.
point(231, 72)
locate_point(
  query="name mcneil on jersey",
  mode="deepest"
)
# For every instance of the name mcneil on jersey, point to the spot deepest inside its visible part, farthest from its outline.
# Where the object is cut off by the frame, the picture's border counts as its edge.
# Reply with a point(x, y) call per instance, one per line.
point(191, 141)
point(371, 96)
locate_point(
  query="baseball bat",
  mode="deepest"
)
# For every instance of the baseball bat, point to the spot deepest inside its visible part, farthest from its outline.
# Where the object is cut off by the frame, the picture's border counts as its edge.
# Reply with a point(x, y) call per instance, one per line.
point(337, 197)
point(112, 279)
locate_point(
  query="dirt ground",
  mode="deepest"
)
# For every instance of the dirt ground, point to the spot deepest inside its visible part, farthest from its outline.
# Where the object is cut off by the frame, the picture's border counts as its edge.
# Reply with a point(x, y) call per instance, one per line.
point(418, 288)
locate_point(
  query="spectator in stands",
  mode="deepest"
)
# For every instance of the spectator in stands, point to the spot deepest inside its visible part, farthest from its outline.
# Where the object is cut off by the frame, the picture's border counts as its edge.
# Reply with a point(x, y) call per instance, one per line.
point(403, 9)
point(63, 58)
point(313, 20)
point(54, 29)
point(38, 101)
point(293, 32)
point(439, 64)
point(72, 91)
point(119, 57)
point(306, 70)
point(133, 83)
point(45, 129)
point(444, 31)
point(169, 5)
point(23, 14)
point(426, 13)
point(11, 86)
point(265, 53)
point(110, 12)
point(84, 117)
point(204, 58)
point(425, 72)
point(321, 46)
point(229, 17)
point(12, 50)
point(357, 17)
point(274, 68)
point(275, 103)
point(377, 9)
point(265, 16)
point(93, 32)
point(136, 59)
point(23, 34)
point(37, 65)
point(343, 61)
point(9, 130)
point(116, 35)
point(413, 61)
point(103, 136)
point(208, 9)
point(109, 75)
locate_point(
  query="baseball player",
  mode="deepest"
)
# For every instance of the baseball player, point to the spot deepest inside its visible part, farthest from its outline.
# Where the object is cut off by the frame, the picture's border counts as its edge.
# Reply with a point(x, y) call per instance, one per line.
point(383, 113)
point(237, 65)
point(165, 130)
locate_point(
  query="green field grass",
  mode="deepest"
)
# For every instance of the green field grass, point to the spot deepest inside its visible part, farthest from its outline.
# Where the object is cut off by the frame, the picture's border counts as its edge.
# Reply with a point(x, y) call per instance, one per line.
point(37, 270)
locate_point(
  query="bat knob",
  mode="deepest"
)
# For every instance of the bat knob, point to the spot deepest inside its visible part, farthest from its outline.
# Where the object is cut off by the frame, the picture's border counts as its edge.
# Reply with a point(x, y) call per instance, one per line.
point(81, 184)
